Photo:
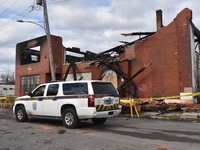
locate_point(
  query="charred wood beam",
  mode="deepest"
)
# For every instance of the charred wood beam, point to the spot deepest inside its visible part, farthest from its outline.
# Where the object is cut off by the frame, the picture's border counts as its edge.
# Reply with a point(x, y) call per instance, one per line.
point(138, 33)
point(74, 70)
point(196, 31)
point(124, 42)
point(118, 71)
point(134, 94)
point(30, 51)
point(73, 66)
point(75, 50)
point(124, 76)
point(67, 71)
point(90, 55)
point(73, 57)
point(119, 49)
point(135, 75)
point(87, 55)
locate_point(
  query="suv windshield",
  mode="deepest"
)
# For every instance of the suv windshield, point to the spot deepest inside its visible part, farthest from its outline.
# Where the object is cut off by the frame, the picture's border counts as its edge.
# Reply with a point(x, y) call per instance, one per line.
point(104, 88)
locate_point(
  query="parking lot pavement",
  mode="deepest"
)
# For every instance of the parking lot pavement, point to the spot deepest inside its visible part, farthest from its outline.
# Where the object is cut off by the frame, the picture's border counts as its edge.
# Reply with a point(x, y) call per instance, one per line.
point(117, 133)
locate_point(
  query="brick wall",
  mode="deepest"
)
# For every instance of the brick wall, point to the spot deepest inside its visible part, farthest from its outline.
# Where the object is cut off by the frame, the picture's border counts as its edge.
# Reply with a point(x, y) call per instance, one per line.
point(170, 54)
point(42, 68)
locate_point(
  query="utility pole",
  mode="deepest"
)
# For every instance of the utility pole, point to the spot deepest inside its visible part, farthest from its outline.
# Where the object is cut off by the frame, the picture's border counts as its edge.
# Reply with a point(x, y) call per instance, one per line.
point(52, 65)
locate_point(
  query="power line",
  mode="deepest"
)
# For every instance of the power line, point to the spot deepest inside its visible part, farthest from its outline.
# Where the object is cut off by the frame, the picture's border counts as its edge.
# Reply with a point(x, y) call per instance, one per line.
point(9, 7)
point(54, 1)
point(3, 2)
point(17, 17)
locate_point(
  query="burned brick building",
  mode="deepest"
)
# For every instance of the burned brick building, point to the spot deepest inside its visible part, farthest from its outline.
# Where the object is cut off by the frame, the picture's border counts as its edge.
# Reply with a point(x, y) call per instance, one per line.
point(161, 63)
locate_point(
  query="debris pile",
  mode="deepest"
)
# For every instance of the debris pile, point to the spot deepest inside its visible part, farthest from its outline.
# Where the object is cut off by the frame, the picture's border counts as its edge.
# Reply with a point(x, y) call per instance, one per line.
point(157, 106)
point(162, 107)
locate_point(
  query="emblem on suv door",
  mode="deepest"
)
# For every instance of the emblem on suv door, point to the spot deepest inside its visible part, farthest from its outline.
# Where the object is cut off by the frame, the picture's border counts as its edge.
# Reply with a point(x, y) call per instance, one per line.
point(34, 105)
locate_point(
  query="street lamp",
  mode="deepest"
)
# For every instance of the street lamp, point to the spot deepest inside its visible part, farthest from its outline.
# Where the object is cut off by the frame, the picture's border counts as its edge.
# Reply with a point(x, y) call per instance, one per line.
point(22, 21)
point(49, 45)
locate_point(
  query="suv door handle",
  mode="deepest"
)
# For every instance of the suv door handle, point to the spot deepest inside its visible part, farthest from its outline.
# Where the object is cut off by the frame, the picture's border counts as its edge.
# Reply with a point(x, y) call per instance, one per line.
point(40, 98)
point(54, 99)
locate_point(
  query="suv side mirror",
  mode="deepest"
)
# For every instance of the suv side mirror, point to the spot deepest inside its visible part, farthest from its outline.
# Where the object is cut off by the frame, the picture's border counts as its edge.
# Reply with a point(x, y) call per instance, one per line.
point(30, 94)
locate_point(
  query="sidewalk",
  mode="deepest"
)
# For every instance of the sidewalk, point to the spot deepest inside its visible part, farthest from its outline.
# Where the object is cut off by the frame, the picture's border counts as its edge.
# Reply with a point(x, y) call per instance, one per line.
point(192, 116)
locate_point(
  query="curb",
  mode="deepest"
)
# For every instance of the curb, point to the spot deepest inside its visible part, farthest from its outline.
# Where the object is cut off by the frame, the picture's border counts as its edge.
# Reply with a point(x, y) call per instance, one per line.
point(193, 117)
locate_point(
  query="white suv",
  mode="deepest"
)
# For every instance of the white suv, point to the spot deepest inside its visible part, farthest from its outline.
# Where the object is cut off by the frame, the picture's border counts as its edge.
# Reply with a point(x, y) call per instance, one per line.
point(72, 101)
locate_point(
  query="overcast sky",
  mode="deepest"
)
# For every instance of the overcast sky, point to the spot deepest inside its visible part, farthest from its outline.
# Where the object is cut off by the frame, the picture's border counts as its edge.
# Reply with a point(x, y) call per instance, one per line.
point(93, 25)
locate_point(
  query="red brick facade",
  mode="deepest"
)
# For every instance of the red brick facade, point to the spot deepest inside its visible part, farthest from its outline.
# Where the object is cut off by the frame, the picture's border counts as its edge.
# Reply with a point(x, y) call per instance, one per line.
point(169, 51)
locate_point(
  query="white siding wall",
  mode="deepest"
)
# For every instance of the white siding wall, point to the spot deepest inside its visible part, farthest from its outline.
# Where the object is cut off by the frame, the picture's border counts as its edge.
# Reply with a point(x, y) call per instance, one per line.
point(7, 89)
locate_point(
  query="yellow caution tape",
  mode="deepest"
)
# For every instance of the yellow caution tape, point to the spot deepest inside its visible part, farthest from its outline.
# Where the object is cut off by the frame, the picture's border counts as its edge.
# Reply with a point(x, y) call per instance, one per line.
point(159, 98)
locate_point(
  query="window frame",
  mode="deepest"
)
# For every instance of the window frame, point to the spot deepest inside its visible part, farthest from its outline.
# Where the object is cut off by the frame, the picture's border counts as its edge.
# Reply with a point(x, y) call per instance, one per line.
point(74, 92)
point(29, 82)
point(53, 91)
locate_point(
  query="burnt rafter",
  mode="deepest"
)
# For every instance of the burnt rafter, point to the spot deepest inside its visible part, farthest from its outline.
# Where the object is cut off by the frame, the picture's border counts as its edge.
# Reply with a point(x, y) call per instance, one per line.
point(138, 33)
point(135, 75)
point(134, 94)
point(121, 48)
point(118, 71)
point(73, 66)
point(128, 83)
point(196, 31)
point(123, 75)
point(75, 50)
point(110, 53)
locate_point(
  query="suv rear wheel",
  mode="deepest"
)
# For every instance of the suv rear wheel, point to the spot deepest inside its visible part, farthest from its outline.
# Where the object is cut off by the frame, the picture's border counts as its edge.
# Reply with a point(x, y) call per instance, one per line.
point(99, 120)
point(20, 114)
point(70, 118)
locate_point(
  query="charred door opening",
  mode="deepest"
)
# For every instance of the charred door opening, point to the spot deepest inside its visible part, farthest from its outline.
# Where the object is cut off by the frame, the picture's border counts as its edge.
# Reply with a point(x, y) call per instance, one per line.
point(29, 56)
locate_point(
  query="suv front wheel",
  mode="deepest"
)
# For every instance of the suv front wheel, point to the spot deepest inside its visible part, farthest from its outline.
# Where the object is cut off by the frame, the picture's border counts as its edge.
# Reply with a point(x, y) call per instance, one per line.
point(20, 114)
point(70, 118)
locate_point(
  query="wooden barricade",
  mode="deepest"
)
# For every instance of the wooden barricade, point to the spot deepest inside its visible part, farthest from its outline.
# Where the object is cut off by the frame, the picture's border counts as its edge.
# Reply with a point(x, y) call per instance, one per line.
point(6, 100)
point(132, 104)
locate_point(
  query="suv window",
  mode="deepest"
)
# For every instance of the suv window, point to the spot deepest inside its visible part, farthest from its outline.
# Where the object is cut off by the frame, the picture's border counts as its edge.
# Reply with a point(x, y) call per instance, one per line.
point(52, 90)
point(75, 88)
point(104, 88)
point(39, 91)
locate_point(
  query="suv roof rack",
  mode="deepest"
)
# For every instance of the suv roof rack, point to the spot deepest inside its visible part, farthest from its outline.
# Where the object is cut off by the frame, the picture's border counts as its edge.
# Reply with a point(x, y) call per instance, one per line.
point(52, 81)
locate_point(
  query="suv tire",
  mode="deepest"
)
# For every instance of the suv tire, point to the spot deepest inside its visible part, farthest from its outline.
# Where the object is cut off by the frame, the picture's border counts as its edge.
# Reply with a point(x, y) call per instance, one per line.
point(99, 120)
point(70, 118)
point(20, 114)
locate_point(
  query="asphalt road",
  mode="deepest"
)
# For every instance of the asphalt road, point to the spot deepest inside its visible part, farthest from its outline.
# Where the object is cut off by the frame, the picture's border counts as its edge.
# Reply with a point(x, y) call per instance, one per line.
point(117, 133)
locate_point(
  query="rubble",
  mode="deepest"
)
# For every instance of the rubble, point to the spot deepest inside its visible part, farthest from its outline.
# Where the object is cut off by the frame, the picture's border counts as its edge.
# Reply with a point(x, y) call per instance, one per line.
point(161, 110)
point(157, 106)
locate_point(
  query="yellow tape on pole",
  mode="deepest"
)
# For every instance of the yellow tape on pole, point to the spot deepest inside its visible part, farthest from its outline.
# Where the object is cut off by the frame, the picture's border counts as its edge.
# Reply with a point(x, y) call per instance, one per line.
point(158, 98)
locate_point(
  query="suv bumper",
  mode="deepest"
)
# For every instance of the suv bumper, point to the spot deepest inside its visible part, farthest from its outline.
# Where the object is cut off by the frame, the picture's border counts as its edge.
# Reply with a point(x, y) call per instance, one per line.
point(88, 113)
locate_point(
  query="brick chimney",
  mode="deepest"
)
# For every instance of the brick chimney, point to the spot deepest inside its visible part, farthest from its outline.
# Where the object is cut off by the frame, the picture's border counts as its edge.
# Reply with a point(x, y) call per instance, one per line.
point(159, 20)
